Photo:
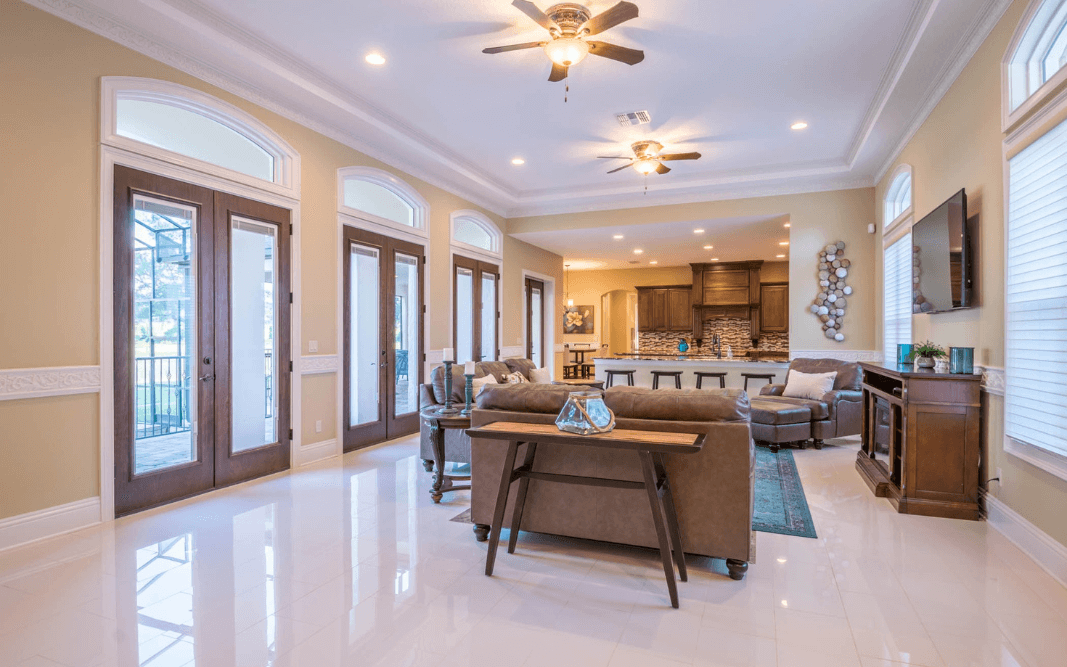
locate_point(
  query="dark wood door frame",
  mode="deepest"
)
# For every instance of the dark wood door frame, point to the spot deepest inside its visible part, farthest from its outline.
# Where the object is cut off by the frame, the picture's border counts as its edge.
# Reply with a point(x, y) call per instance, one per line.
point(478, 268)
point(530, 284)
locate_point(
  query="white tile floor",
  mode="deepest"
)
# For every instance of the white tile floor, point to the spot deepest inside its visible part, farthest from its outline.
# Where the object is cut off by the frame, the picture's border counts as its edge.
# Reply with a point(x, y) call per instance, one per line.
point(349, 563)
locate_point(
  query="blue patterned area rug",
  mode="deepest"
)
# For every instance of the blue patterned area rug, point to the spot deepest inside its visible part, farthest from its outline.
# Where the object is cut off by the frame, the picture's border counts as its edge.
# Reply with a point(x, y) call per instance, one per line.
point(781, 506)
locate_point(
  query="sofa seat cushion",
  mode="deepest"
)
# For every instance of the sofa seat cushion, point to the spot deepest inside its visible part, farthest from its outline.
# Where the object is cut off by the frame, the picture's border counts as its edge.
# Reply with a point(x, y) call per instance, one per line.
point(819, 409)
point(778, 412)
point(527, 397)
point(688, 405)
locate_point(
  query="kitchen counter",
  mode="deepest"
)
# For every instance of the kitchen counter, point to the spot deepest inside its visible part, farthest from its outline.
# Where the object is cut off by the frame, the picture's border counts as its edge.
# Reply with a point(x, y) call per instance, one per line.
point(643, 365)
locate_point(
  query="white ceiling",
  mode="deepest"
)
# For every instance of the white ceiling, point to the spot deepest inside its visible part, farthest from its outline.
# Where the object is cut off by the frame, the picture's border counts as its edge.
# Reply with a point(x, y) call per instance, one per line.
point(668, 243)
point(721, 77)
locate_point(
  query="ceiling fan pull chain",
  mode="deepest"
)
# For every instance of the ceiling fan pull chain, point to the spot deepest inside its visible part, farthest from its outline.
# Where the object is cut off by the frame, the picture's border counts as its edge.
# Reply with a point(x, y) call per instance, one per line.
point(566, 89)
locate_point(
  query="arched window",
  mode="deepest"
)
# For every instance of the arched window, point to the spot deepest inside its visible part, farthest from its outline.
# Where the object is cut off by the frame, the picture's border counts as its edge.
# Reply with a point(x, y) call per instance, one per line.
point(1036, 56)
point(473, 231)
point(193, 129)
point(380, 197)
point(897, 197)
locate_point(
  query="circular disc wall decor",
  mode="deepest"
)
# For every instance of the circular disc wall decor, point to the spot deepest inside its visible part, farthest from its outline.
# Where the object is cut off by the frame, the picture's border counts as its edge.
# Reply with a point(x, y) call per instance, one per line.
point(832, 300)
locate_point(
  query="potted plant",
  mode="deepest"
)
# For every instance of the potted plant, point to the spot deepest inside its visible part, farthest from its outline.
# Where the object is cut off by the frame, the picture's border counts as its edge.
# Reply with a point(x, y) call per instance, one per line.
point(925, 354)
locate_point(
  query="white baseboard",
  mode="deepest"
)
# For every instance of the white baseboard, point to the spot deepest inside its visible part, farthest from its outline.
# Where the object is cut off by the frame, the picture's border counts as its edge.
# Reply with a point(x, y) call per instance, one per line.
point(316, 451)
point(1034, 542)
point(42, 524)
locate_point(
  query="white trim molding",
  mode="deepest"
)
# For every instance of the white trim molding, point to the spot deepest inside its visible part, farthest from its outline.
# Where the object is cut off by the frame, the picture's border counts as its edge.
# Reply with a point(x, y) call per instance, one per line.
point(494, 254)
point(317, 364)
point(993, 380)
point(420, 208)
point(844, 355)
point(49, 522)
point(1034, 542)
point(317, 451)
point(1019, 73)
point(1050, 462)
point(16, 383)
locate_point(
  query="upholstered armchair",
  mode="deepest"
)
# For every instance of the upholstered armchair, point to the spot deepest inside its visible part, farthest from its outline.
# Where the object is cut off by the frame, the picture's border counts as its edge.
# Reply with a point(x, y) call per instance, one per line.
point(840, 411)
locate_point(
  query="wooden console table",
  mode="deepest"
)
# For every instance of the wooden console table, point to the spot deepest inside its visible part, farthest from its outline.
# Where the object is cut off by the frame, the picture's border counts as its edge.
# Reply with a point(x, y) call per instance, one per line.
point(921, 445)
point(650, 447)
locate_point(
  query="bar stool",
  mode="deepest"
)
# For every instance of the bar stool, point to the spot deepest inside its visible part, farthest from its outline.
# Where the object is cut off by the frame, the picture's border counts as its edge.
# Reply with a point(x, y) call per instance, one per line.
point(676, 374)
point(769, 377)
point(611, 377)
point(701, 375)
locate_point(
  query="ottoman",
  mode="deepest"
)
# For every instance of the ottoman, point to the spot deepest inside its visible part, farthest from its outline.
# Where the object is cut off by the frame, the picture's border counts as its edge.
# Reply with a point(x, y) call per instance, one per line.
point(775, 423)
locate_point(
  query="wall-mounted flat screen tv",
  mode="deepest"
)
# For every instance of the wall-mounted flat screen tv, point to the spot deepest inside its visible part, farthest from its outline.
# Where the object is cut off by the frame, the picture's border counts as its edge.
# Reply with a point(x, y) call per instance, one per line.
point(943, 258)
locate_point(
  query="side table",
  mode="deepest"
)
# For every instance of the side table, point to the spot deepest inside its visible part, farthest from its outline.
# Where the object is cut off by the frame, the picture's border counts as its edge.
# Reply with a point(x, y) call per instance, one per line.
point(438, 424)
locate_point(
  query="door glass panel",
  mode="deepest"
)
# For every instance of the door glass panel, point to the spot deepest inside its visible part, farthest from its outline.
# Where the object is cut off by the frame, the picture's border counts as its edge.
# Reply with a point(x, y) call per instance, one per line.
point(164, 334)
point(254, 357)
point(406, 332)
point(536, 327)
point(488, 317)
point(464, 315)
point(364, 333)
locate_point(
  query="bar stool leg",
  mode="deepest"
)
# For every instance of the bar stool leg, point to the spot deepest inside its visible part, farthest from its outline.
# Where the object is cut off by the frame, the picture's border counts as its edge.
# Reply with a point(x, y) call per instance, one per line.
point(700, 379)
point(655, 381)
point(678, 385)
point(630, 378)
point(722, 382)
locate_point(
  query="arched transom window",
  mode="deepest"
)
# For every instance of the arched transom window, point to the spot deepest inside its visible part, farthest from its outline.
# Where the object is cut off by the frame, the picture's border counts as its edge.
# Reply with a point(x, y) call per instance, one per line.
point(378, 196)
point(1038, 53)
point(472, 230)
point(898, 197)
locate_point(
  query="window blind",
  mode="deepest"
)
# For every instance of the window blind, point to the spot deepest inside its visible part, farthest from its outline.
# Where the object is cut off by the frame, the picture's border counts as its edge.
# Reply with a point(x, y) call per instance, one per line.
point(1036, 294)
point(897, 296)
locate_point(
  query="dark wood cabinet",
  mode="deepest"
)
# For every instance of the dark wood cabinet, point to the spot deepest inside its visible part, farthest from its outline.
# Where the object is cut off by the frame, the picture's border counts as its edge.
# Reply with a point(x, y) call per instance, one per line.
point(666, 308)
point(921, 445)
point(726, 289)
point(774, 308)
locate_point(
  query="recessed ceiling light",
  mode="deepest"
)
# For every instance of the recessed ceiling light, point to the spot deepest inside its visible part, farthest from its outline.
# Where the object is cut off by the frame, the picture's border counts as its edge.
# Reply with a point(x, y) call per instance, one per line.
point(714, 259)
point(708, 247)
point(698, 231)
point(618, 237)
point(779, 256)
point(786, 224)
point(638, 251)
point(517, 161)
point(799, 125)
point(783, 243)
point(653, 262)
point(375, 58)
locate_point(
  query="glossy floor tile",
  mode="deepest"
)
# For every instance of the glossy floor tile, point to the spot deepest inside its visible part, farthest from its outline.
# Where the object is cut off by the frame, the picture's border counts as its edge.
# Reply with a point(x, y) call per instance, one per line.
point(348, 562)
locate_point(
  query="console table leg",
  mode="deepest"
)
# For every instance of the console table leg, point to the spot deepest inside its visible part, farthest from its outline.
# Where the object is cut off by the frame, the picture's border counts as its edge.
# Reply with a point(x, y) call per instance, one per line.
point(656, 504)
point(501, 502)
point(520, 497)
point(672, 518)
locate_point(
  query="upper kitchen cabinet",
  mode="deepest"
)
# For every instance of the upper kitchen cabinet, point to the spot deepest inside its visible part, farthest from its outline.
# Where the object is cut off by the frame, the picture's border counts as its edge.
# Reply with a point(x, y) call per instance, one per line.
point(727, 283)
point(774, 307)
point(667, 308)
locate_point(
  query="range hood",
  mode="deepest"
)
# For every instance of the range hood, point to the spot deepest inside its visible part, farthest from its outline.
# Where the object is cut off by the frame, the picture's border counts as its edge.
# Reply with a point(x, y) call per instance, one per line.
point(726, 289)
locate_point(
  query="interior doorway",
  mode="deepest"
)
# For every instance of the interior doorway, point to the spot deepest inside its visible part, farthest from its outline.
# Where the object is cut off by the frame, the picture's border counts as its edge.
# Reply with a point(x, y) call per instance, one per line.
point(535, 321)
point(201, 339)
point(383, 337)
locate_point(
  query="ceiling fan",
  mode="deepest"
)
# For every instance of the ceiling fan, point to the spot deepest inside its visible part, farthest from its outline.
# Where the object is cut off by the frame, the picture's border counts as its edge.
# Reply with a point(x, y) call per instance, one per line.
point(647, 158)
point(569, 24)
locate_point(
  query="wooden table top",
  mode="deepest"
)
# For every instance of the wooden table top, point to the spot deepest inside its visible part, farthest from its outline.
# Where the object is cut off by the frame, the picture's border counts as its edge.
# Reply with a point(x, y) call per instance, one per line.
point(653, 441)
point(446, 421)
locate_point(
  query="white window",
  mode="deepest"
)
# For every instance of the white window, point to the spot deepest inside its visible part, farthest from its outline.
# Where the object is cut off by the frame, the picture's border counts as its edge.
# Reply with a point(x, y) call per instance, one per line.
point(477, 234)
point(897, 198)
point(897, 297)
point(1036, 56)
point(379, 197)
point(1036, 298)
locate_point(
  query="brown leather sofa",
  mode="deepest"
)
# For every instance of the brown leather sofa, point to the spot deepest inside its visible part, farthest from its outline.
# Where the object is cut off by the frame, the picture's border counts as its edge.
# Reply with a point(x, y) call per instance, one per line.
point(713, 489)
point(838, 413)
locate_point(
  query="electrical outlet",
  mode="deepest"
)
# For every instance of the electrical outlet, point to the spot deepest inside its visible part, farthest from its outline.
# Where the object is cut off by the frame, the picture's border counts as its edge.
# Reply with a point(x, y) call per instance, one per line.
point(1000, 476)
point(313, 346)
point(318, 426)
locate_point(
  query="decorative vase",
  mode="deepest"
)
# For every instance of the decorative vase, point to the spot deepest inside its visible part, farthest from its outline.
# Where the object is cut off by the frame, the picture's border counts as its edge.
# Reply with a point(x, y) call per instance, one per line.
point(962, 360)
point(941, 365)
point(585, 414)
point(683, 346)
point(924, 362)
point(904, 353)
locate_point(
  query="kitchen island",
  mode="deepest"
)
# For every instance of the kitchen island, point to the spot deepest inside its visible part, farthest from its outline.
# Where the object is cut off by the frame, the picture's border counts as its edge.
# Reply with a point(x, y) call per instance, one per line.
point(643, 365)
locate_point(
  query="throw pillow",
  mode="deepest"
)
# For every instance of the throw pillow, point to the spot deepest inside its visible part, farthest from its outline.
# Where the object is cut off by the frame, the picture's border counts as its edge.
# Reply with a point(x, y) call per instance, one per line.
point(479, 384)
point(541, 375)
point(515, 378)
point(808, 385)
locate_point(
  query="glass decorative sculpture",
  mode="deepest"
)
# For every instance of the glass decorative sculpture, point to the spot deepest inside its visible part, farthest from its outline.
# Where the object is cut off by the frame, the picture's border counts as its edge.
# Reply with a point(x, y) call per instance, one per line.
point(585, 414)
point(961, 360)
point(904, 352)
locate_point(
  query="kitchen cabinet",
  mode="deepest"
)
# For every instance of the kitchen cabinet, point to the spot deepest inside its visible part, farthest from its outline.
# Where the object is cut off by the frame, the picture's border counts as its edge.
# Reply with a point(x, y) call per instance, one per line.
point(774, 308)
point(667, 308)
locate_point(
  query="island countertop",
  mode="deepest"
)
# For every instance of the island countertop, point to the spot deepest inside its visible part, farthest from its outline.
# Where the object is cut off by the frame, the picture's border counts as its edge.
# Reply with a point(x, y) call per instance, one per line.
point(643, 365)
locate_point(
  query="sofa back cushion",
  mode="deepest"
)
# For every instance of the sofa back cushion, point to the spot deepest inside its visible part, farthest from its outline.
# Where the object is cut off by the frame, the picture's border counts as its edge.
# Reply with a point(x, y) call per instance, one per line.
point(848, 373)
point(520, 365)
point(529, 397)
point(689, 405)
point(482, 368)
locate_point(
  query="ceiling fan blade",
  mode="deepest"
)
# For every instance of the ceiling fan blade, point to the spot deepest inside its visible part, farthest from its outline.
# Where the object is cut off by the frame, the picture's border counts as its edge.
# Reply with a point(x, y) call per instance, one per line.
point(513, 47)
point(559, 73)
point(531, 10)
point(621, 168)
point(620, 13)
point(662, 168)
point(613, 157)
point(620, 53)
point(679, 156)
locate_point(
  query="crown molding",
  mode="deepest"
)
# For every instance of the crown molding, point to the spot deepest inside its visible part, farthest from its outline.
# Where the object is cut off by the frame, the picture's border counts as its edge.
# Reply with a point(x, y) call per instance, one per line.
point(985, 20)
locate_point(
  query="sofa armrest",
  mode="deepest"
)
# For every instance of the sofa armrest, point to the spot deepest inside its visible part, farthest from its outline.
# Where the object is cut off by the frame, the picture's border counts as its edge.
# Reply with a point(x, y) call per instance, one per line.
point(426, 397)
point(771, 390)
point(834, 398)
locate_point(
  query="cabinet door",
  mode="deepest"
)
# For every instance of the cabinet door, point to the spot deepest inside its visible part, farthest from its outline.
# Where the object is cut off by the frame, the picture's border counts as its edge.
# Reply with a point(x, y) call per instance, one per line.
point(680, 308)
point(659, 310)
point(644, 310)
point(774, 308)
point(726, 288)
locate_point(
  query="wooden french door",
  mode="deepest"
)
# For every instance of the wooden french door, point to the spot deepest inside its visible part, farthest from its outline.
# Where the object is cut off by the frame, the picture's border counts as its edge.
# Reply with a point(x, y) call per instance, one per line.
point(383, 337)
point(475, 310)
point(535, 321)
point(201, 327)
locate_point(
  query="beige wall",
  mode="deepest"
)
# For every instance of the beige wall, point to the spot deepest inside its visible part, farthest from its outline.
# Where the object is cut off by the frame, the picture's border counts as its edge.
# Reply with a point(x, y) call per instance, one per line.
point(960, 146)
point(49, 249)
point(816, 219)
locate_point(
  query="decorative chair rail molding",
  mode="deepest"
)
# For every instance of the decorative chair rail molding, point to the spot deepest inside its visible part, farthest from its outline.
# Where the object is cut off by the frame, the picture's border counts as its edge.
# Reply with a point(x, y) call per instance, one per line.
point(843, 355)
point(49, 381)
point(315, 364)
point(1034, 542)
point(993, 380)
point(49, 522)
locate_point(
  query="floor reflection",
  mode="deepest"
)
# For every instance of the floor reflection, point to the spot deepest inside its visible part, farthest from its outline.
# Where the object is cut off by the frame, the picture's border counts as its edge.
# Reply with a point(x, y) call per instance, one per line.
point(165, 633)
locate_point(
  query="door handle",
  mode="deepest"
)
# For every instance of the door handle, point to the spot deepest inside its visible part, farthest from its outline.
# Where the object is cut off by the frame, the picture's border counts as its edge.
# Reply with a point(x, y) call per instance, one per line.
point(205, 378)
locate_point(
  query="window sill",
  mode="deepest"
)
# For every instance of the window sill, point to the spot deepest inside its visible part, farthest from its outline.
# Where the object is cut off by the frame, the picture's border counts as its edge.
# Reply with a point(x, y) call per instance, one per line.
point(1053, 464)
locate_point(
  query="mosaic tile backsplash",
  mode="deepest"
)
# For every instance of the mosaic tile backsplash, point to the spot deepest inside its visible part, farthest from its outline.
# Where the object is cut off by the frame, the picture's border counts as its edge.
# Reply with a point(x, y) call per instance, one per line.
point(735, 332)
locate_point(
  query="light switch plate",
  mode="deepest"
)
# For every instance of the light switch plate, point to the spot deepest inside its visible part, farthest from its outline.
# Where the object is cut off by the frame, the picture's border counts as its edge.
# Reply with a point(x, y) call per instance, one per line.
point(313, 346)
point(318, 426)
